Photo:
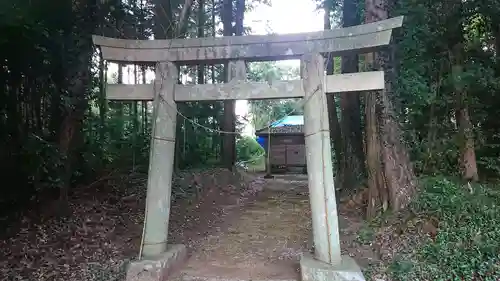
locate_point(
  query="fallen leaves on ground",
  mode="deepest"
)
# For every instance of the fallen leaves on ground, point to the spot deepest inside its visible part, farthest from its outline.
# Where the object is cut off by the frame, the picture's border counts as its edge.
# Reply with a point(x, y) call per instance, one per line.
point(103, 231)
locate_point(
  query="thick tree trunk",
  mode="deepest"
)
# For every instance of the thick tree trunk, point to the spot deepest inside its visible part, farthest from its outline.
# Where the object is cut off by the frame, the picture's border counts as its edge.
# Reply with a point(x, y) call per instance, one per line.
point(391, 179)
point(377, 188)
point(76, 68)
point(229, 123)
point(78, 79)
point(398, 169)
point(335, 132)
point(352, 162)
point(56, 108)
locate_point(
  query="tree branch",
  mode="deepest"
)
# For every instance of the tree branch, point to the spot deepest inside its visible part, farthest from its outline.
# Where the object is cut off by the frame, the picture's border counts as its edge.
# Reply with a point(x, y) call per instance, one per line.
point(182, 23)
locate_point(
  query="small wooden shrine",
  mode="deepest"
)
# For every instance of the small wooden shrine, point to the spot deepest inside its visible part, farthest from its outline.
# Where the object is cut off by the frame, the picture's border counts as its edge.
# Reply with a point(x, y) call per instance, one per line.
point(287, 150)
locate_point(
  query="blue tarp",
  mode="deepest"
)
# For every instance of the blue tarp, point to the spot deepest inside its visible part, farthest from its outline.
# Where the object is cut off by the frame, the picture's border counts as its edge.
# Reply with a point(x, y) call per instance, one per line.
point(289, 120)
point(261, 141)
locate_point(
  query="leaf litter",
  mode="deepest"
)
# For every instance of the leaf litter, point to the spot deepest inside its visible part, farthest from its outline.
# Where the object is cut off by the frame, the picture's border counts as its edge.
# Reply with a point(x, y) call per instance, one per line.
point(103, 231)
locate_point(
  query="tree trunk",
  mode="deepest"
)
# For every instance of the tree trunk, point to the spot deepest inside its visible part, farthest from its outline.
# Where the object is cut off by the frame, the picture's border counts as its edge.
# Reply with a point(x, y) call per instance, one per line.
point(76, 68)
point(467, 158)
point(391, 180)
point(240, 13)
point(335, 132)
point(352, 159)
point(215, 105)
point(456, 46)
point(182, 23)
point(163, 20)
point(135, 118)
point(78, 79)
point(377, 188)
point(144, 106)
point(119, 106)
point(229, 124)
point(398, 169)
point(468, 165)
point(201, 33)
point(495, 27)
point(378, 194)
point(102, 99)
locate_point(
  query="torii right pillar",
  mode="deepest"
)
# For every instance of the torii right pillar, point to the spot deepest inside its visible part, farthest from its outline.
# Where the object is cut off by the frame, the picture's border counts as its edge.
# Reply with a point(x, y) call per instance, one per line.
point(327, 263)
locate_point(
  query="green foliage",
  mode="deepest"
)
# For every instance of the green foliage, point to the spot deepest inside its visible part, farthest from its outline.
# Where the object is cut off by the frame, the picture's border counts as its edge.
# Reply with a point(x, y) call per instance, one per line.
point(468, 238)
point(248, 150)
point(265, 111)
point(425, 95)
point(366, 234)
point(55, 76)
point(270, 71)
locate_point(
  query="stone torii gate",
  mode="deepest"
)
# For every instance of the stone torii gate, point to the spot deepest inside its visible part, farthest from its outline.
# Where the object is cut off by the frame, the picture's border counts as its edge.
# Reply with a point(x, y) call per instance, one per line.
point(157, 257)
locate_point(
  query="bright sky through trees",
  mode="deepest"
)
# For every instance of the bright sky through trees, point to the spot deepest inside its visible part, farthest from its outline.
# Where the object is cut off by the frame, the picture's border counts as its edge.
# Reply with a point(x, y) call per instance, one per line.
point(284, 16)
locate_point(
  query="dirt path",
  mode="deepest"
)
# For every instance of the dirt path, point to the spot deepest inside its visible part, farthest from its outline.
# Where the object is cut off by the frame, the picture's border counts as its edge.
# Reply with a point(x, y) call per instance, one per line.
point(264, 239)
point(236, 231)
point(263, 243)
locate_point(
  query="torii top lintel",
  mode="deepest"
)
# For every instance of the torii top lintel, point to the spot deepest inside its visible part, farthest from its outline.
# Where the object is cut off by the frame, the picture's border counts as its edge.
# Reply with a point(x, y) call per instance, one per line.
point(359, 38)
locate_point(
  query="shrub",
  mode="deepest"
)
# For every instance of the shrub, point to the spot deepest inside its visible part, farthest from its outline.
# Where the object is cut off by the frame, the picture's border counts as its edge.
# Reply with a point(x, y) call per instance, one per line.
point(248, 150)
point(467, 244)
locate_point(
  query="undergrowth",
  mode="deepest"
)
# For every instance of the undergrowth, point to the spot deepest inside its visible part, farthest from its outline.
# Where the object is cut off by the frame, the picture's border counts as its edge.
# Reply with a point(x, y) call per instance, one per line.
point(467, 243)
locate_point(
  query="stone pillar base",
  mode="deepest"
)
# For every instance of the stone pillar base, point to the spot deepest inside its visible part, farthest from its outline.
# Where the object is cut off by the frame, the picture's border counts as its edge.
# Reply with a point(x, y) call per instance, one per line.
point(159, 268)
point(314, 270)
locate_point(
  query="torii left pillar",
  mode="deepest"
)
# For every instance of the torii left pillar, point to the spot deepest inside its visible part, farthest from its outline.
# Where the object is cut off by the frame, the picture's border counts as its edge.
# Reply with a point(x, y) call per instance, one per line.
point(158, 258)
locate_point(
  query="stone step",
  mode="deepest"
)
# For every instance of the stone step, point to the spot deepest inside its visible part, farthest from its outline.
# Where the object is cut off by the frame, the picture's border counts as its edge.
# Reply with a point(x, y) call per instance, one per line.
point(199, 278)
